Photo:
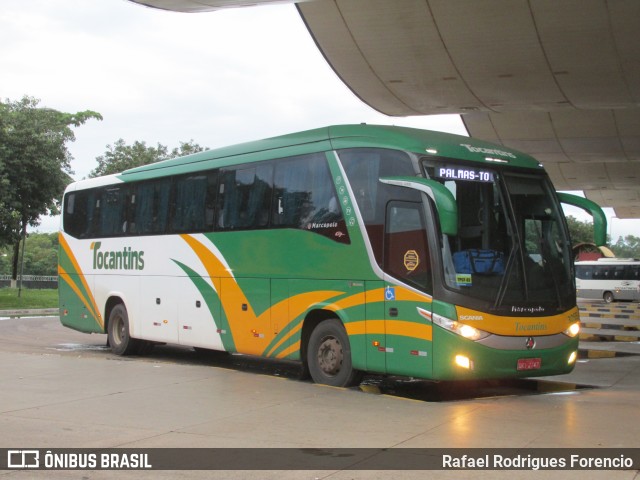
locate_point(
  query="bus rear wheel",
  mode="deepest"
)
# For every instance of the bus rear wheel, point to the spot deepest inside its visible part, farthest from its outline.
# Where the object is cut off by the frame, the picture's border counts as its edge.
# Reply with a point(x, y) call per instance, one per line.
point(607, 297)
point(329, 355)
point(118, 331)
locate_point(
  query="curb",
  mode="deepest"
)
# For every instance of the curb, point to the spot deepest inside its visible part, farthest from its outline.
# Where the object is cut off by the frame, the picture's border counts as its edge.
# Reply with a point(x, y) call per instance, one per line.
point(33, 312)
point(596, 354)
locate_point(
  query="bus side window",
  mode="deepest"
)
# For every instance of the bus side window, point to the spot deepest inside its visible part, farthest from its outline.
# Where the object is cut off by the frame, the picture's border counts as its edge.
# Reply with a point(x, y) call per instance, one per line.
point(78, 213)
point(294, 185)
point(210, 201)
point(305, 197)
point(364, 168)
point(111, 205)
point(597, 273)
point(618, 272)
point(406, 249)
point(151, 206)
point(189, 203)
point(584, 272)
point(245, 197)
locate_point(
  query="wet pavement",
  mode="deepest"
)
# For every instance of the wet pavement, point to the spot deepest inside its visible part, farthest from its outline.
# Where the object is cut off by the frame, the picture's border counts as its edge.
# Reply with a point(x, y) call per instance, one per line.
point(64, 389)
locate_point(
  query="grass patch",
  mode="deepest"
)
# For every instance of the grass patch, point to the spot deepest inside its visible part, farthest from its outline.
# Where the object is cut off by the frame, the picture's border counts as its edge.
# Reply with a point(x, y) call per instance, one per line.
point(36, 298)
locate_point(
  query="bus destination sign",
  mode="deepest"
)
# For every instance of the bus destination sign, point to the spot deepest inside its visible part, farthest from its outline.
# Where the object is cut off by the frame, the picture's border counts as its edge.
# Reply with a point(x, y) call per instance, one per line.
point(455, 172)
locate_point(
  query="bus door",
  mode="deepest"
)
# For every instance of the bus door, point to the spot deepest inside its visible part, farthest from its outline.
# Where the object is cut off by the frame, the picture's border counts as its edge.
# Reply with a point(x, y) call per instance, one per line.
point(406, 260)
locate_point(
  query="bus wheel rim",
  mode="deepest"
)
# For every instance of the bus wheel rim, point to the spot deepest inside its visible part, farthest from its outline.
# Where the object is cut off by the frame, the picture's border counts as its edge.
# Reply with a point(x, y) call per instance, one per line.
point(330, 356)
point(118, 330)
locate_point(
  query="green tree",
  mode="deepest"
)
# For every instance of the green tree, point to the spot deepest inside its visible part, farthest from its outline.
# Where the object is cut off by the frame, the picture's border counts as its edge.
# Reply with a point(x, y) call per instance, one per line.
point(627, 247)
point(34, 165)
point(121, 156)
point(186, 148)
point(40, 255)
point(5, 260)
point(581, 232)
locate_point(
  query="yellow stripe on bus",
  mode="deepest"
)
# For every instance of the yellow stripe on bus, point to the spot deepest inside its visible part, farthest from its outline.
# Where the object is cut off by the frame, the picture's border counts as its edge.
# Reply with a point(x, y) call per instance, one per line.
point(289, 350)
point(286, 337)
point(354, 300)
point(67, 278)
point(297, 305)
point(518, 326)
point(390, 327)
point(409, 329)
point(94, 307)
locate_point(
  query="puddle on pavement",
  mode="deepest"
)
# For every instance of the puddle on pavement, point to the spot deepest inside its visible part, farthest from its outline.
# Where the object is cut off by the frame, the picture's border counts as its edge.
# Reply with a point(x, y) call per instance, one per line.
point(423, 390)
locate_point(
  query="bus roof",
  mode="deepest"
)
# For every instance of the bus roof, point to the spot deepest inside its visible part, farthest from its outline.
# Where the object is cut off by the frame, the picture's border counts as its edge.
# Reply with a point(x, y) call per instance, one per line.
point(345, 136)
point(608, 261)
point(424, 142)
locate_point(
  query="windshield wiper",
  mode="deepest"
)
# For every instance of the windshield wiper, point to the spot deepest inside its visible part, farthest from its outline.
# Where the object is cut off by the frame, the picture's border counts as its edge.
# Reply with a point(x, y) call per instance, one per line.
point(508, 270)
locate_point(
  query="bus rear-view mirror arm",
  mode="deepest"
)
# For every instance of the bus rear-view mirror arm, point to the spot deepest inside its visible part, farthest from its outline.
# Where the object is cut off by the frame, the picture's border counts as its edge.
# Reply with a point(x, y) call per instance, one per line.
point(599, 218)
point(446, 205)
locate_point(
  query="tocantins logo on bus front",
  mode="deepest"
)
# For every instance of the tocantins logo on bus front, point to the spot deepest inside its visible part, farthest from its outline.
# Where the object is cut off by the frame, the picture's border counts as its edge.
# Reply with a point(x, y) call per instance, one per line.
point(125, 259)
point(488, 151)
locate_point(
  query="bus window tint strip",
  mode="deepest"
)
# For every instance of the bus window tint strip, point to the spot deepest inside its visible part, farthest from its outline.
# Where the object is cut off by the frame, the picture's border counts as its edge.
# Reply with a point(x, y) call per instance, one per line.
point(296, 192)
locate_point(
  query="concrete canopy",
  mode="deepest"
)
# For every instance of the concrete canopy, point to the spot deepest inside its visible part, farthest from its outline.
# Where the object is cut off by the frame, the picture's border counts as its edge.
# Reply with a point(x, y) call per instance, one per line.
point(195, 6)
point(557, 79)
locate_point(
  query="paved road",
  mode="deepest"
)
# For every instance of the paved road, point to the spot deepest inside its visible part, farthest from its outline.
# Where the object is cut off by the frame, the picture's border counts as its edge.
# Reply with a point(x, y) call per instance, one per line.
point(60, 388)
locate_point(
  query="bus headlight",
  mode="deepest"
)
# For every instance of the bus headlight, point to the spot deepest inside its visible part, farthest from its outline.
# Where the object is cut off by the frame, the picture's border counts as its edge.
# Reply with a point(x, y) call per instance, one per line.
point(466, 331)
point(573, 330)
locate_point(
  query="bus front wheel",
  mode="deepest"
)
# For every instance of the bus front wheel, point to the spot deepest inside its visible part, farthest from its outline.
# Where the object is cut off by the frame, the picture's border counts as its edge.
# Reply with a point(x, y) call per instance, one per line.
point(118, 331)
point(607, 297)
point(329, 355)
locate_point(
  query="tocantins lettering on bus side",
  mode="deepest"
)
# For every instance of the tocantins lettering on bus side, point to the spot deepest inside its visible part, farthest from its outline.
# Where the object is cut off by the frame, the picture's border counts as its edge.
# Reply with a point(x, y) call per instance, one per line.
point(125, 259)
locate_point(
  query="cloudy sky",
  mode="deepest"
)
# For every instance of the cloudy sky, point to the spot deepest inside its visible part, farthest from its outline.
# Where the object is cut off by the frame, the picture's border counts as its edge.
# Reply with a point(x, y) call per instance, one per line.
point(216, 78)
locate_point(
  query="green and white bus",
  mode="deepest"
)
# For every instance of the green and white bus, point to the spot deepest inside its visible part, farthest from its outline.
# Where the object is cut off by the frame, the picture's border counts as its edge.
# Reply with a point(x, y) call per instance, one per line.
point(609, 279)
point(350, 249)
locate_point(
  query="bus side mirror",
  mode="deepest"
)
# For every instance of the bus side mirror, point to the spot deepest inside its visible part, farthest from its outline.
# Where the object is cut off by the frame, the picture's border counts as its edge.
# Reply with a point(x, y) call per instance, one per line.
point(446, 205)
point(592, 208)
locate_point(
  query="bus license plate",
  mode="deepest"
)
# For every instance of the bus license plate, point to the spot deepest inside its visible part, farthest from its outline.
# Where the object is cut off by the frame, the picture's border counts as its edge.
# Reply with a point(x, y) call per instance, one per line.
point(529, 363)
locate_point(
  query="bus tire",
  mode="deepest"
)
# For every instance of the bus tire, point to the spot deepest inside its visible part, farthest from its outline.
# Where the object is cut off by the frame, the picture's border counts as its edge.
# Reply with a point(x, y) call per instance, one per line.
point(118, 331)
point(329, 355)
point(607, 297)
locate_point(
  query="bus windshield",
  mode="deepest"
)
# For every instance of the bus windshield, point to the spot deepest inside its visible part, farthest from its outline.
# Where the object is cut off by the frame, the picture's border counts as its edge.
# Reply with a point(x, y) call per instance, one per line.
point(512, 250)
point(511, 253)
